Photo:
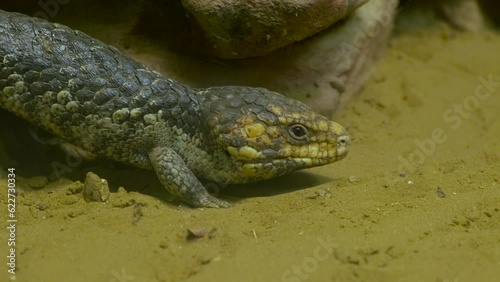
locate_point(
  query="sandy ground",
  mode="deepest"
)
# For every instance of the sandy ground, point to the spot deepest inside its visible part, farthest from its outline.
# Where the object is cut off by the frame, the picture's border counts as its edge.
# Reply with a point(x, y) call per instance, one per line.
point(417, 199)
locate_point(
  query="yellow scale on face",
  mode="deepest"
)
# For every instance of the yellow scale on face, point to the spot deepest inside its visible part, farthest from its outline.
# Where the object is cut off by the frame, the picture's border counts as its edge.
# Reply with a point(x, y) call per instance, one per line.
point(254, 130)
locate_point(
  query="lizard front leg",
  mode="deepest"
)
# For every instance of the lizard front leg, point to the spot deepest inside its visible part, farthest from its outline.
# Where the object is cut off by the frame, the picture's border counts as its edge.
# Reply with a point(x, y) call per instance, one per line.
point(180, 181)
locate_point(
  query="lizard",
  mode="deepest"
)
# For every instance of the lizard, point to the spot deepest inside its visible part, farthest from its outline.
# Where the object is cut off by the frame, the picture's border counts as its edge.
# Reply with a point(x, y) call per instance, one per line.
point(102, 103)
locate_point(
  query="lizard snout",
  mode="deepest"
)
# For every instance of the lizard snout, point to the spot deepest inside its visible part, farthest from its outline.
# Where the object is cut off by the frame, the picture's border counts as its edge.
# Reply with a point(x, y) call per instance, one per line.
point(343, 143)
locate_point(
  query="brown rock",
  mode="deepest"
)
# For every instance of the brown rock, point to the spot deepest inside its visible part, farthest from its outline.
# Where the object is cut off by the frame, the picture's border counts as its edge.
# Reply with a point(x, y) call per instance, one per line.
point(241, 29)
point(328, 69)
point(95, 189)
point(463, 14)
point(38, 182)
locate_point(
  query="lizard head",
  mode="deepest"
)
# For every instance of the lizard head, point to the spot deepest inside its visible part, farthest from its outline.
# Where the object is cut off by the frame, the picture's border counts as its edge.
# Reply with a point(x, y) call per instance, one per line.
point(265, 134)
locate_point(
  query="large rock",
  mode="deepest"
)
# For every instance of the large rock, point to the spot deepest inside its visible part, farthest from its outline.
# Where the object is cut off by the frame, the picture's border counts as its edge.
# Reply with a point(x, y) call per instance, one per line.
point(240, 29)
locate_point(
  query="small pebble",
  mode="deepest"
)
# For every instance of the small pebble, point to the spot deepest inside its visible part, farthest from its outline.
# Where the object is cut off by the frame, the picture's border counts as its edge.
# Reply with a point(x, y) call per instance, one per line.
point(352, 179)
point(440, 193)
point(319, 193)
point(121, 191)
point(402, 174)
point(38, 182)
point(322, 192)
point(95, 189)
point(195, 233)
point(42, 206)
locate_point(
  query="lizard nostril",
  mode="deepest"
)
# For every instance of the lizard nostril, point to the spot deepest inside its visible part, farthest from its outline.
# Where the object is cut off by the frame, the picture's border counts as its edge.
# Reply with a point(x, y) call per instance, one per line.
point(343, 143)
point(344, 140)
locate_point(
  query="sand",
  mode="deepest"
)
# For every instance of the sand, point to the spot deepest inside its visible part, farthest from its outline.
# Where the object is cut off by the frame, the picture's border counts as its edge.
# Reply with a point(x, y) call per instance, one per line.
point(417, 198)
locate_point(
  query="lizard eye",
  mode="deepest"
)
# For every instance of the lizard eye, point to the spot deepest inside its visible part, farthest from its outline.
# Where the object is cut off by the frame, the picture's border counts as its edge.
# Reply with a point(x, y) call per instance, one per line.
point(298, 131)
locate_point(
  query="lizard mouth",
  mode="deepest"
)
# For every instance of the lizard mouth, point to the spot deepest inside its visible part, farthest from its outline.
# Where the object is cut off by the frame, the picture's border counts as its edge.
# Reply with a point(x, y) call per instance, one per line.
point(314, 154)
point(303, 156)
point(261, 169)
point(269, 163)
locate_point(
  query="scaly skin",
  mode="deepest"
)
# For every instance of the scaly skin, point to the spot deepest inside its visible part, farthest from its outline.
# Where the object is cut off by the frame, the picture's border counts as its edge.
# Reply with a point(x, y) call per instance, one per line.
point(100, 102)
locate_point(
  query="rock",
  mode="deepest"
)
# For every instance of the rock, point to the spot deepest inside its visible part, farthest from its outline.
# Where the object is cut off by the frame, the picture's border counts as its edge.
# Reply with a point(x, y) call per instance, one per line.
point(42, 206)
point(38, 182)
point(328, 69)
point(352, 179)
point(463, 14)
point(241, 29)
point(196, 233)
point(95, 189)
